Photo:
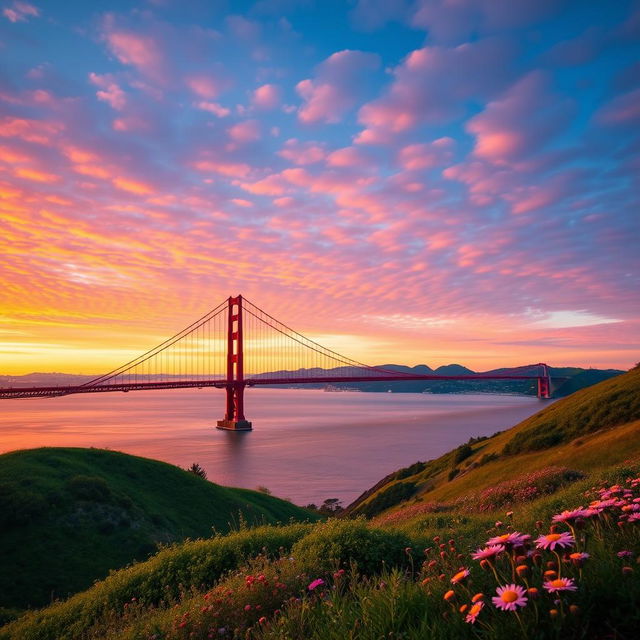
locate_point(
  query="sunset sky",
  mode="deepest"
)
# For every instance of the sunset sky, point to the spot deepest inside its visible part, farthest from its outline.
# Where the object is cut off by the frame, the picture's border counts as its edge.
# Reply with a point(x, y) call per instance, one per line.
point(424, 181)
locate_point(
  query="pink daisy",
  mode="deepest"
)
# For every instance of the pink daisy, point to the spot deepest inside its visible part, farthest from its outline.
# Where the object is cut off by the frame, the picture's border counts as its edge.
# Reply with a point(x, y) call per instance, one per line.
point(510, 539)
point(570, 516)
point(488, 552)
point(474, 611)
point(634, 517)
point(553, 540)
point(510, 597)
point(560, 584)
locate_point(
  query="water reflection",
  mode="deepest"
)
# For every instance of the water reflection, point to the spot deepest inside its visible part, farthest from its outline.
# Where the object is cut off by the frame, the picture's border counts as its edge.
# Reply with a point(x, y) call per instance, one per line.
point(306, 445)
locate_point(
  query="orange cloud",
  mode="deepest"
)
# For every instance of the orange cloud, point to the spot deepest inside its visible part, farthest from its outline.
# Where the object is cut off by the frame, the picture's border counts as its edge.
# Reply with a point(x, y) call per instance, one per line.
point(132, 186)
point(35, 175)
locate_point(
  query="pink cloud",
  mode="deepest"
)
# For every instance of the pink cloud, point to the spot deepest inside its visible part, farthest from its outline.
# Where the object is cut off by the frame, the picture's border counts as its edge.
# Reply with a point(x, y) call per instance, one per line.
point(245, 132)
point(111, 92)
point(415, 157)
point(12, 155)
point(302, 152)
point(432, 84)
point(273, 185)
point(132, 186)
point(240, 202)
point(204, 85)
point(137, 50)
point(133, 122)
point(349, 157)
point(284, 203)
point(622, 110)
point(38, 131)
point(230, 169)
point(266, 97)
point(21, 12)
point(336, 86)
point(520, 122)
point(215, 108)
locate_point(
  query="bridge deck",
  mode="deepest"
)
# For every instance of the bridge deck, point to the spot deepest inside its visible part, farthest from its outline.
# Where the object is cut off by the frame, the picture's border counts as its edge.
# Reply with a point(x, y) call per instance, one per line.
point(35, 392)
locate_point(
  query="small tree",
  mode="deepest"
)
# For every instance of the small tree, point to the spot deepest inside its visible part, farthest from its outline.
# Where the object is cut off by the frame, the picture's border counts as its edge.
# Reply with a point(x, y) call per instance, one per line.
point(331, 506)
point(197, 470)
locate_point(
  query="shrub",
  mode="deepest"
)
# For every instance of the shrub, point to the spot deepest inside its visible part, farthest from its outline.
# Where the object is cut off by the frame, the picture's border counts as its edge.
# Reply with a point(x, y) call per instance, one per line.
point(338, 543)
point(89, 488)
point(197, 470)
point(462, 453)
point(18, 506)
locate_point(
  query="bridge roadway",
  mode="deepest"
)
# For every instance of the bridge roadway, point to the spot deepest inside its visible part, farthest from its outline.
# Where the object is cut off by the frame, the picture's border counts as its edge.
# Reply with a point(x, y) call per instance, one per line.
point(39, 392)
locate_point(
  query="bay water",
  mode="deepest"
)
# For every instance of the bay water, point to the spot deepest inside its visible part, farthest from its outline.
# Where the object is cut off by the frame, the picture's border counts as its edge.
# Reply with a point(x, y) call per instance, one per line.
point(306, 445)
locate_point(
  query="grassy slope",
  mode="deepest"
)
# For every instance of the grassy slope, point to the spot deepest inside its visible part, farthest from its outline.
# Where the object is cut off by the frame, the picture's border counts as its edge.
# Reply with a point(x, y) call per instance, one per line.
point(593, 428)
point(70, 515)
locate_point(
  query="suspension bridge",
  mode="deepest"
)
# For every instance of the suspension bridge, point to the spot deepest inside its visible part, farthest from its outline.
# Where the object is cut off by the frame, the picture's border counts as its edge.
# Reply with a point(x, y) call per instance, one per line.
point(238, 345)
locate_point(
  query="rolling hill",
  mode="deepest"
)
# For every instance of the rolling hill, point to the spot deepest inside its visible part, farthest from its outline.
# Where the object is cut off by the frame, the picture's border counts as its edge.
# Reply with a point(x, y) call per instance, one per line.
point(69, 516)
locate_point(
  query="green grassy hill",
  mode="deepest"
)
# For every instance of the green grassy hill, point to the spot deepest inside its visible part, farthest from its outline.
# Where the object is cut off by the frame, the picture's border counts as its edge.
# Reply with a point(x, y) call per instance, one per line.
point(68, 516)
point(593, 428)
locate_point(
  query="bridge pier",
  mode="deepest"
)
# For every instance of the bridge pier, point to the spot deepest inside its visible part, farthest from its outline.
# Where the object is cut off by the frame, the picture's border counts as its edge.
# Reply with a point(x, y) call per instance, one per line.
point(544, 388)
point(234, 419)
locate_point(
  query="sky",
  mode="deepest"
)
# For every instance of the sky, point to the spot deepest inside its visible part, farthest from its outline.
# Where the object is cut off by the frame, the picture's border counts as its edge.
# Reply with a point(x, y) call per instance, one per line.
point(410, 181)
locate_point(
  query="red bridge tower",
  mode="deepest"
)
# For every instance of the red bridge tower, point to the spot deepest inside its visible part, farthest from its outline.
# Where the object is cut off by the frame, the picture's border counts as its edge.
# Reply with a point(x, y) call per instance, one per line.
point(234, 419)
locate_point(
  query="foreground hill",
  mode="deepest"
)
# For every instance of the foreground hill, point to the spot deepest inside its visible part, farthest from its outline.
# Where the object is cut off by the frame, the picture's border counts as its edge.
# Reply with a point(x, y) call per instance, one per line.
point(68, 516)
point(590, 429)
point(554, 569)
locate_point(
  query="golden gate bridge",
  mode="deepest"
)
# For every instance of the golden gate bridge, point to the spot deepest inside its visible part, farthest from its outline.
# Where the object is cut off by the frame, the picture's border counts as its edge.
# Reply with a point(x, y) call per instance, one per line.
point(238, 345)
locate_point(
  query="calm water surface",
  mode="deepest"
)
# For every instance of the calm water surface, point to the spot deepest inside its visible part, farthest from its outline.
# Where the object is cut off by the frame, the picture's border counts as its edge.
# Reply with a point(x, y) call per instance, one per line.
point(307, 445)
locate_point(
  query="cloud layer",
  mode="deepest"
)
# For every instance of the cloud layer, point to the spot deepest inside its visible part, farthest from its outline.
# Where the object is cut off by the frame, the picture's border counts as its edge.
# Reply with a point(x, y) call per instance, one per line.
point(451, 181)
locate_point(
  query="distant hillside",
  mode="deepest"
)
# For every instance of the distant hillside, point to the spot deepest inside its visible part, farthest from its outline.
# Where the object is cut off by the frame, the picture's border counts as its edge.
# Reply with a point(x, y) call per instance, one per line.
point(593, 428)
point(565, 380)
point(68, 516)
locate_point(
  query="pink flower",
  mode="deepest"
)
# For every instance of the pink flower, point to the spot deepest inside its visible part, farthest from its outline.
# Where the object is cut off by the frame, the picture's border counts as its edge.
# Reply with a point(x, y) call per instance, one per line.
point(510, 597)
point(560, 584)
point(570, 516)
point(473, 612)
point(553, 540)
point(316, 583)
point(624, 554)
point(513, 539)
point(488, 552)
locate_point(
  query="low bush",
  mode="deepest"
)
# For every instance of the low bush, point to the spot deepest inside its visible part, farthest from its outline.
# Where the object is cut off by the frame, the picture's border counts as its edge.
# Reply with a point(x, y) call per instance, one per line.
point(336, 544)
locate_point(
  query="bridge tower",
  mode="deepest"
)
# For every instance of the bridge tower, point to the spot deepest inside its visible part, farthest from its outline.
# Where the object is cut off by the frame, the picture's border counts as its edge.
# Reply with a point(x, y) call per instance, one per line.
point(544, 382)
point(234, 419)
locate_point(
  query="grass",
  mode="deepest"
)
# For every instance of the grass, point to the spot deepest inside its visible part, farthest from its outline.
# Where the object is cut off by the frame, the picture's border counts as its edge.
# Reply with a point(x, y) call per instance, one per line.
point(348, 579)
point(68, 516)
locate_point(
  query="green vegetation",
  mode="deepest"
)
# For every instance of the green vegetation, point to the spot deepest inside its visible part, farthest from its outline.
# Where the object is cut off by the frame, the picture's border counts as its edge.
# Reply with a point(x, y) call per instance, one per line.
point(611, 403)
point(68, 516)
point(420, 568)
